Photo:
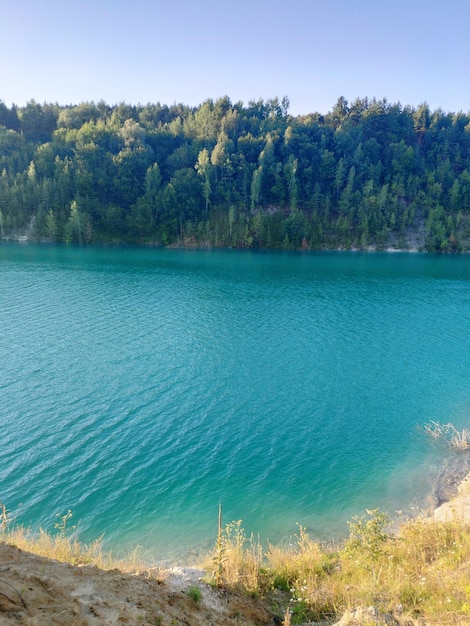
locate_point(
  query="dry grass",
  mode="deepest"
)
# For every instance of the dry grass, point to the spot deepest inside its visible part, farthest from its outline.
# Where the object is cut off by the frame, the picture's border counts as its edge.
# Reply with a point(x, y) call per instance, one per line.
point(460, 440)
point(423, 572)
point(60, 548)
point(456, 439)
point(237, 559)
point(64, 545)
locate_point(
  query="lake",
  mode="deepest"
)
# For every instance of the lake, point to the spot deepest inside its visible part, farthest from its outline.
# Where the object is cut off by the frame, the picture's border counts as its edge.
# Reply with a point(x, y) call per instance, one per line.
point(141, 387)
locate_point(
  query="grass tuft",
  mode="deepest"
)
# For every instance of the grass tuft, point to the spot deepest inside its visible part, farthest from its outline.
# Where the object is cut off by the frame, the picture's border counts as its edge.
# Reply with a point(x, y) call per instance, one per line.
point(195, 594)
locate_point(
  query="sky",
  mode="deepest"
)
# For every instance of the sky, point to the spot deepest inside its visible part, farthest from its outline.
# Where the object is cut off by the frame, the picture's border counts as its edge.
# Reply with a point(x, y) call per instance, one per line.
point(312, 51)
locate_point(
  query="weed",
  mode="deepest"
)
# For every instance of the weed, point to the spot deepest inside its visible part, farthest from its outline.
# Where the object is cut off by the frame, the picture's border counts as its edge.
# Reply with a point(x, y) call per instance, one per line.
point(300, 612)
point(219, 556)
point(280, 582)
point(62, 525)
point(195, 594)
point(4, 517)
point(367, 534)
point(287, 620)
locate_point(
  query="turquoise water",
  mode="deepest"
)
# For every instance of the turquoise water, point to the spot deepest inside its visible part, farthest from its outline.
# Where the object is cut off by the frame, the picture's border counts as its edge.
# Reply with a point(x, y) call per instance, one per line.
point(141, 387)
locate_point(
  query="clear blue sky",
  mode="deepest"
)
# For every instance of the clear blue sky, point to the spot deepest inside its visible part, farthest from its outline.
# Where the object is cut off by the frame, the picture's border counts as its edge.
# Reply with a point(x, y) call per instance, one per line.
point(312, 51)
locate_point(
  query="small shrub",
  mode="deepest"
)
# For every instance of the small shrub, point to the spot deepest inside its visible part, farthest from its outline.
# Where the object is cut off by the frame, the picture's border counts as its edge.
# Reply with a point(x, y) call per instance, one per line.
point(300, 612)
point(195, 594)
point(367, 534)
point(280, 582)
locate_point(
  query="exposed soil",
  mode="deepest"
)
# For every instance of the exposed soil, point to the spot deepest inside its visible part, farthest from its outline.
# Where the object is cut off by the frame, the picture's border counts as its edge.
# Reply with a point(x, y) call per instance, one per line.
point(37, 591)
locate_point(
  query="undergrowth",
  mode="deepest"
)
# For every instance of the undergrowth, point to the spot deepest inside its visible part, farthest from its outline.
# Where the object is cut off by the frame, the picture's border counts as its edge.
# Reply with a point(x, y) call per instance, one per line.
point(422, 572)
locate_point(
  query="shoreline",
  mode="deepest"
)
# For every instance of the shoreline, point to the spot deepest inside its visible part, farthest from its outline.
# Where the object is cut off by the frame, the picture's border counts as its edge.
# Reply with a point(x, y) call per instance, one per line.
point(448, 499)
point(50, 592)
point(457, 506)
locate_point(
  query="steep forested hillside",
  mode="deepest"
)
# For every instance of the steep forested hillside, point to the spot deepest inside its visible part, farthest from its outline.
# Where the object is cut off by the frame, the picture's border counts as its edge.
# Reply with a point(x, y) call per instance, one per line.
point(369, 173)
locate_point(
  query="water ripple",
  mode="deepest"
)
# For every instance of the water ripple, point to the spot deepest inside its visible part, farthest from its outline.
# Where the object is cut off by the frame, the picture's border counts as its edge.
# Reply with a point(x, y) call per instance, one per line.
point(142, 387)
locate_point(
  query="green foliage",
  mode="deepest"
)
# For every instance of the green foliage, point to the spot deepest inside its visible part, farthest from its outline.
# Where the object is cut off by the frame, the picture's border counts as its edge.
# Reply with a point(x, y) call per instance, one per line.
point(300, 612)
point(195, 594)
point(367, 535)
point(280, 582)
point(369, 173)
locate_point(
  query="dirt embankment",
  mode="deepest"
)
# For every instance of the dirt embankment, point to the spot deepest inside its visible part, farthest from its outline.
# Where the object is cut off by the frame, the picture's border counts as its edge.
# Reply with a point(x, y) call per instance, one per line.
point(36, 591)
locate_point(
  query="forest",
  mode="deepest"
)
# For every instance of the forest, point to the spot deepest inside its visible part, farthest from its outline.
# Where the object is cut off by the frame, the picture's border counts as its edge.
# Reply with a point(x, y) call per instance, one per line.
point(367, 175)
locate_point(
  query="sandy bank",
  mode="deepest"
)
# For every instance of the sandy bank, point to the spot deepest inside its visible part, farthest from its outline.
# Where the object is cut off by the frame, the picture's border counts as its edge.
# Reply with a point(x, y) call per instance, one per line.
point(36, 591)
point(458, 507)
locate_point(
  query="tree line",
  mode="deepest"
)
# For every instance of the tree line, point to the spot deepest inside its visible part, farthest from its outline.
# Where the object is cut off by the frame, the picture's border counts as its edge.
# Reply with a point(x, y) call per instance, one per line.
point(367, 174)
